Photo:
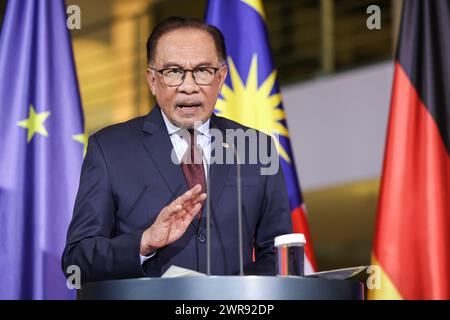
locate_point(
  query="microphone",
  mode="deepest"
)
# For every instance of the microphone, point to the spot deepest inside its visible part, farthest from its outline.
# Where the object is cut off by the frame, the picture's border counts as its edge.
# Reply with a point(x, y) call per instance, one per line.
point(208, 214)
point(239, 201)
point(208, 219)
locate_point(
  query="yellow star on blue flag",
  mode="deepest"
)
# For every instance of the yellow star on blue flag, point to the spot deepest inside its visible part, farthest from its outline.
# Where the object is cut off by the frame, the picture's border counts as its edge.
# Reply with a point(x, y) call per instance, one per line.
point(34, 123)
point(83, 139)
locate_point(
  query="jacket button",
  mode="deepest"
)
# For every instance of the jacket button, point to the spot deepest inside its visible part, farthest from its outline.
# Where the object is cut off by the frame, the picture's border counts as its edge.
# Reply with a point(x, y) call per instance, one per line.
point(201, 238)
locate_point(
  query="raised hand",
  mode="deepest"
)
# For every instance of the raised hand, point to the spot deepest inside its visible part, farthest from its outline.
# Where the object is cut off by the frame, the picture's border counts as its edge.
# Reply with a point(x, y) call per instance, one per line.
point(173, 220)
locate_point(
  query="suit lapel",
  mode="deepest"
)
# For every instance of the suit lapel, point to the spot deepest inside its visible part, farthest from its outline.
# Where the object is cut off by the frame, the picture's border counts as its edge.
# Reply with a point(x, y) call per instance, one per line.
point(217, 172)
point(159, 147)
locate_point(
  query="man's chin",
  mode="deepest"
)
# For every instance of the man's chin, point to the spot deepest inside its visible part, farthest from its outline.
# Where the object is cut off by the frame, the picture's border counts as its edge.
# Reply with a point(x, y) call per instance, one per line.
point(189, 123)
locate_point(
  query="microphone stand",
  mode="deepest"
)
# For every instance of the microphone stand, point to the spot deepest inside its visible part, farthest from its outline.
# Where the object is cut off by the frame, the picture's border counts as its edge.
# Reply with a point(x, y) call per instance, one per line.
point(239, 201)
point(208, 215)
point(208, 226)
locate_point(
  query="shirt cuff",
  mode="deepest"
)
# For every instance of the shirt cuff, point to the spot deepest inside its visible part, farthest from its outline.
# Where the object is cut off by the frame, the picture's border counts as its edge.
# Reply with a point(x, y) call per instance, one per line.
point(145, 258)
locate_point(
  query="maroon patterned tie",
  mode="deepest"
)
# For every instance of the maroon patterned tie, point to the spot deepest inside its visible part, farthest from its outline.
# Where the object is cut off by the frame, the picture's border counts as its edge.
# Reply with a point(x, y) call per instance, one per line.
point(192, 166)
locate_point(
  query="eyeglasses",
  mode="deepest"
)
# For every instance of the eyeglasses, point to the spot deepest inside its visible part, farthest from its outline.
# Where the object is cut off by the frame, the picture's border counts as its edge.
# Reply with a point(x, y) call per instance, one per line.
point(174, 77)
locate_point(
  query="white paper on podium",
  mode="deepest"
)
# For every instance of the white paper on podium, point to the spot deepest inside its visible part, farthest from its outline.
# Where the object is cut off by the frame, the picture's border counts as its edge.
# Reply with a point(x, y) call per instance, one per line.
point(338, 274)
point(175, 272)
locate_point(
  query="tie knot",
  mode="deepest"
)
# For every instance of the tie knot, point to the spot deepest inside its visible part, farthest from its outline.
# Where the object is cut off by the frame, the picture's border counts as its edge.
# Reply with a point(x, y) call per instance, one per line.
point(193, 154)
point(190, 135)
point(193, 136)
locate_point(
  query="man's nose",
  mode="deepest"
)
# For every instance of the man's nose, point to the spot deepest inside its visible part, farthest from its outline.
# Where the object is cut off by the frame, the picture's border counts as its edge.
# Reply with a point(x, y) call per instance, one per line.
point(188, 85)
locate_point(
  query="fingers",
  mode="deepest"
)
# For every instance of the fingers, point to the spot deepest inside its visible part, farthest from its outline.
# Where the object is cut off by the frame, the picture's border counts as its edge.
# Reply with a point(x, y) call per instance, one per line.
point(185, 202)
point(178, 203)
point(193, 212)
point(190, 214)
point(194, 200)
point(173, 209)
point(189, 210)
point(169, 211)
point(184, 217)
point(189, 205)
point(201, 197)
point(188, 195)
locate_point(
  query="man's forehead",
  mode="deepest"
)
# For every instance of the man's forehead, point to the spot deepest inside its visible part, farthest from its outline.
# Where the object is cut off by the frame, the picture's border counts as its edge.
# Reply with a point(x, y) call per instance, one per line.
point(181, 45)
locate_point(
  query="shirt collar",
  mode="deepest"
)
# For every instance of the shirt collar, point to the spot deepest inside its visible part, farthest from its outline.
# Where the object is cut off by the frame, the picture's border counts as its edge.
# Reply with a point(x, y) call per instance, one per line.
point(171, 128)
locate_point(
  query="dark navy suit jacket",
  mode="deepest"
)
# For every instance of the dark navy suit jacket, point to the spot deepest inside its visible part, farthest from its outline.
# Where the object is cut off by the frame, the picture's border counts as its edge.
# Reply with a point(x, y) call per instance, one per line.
point(128, 177)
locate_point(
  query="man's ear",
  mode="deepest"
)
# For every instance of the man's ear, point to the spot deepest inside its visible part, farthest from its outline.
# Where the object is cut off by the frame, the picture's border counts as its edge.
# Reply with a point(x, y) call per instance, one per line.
point(151, 80)
point(223, 75)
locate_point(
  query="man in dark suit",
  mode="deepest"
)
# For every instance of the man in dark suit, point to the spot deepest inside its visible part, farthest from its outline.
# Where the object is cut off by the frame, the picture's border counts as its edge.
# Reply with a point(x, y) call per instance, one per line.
point(140, 207)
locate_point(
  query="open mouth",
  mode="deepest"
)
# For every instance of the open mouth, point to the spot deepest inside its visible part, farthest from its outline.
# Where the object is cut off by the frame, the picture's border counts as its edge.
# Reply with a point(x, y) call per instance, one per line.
point(188, 107)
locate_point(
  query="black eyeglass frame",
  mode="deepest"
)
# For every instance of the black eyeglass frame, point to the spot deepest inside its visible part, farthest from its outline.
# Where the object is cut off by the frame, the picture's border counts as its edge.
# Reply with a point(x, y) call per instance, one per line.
point(161, 71)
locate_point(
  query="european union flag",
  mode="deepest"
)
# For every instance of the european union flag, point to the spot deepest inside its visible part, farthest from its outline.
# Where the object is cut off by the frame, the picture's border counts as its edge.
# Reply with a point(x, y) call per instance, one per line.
point(251, 95)
point(41, 148)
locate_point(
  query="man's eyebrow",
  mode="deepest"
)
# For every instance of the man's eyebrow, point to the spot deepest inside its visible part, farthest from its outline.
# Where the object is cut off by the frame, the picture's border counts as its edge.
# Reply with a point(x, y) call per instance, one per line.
point(203, 64)
point(170, 64)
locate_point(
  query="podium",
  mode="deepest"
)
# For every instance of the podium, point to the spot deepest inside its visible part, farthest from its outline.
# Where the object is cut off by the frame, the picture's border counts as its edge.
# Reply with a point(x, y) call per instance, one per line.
point(223, 288)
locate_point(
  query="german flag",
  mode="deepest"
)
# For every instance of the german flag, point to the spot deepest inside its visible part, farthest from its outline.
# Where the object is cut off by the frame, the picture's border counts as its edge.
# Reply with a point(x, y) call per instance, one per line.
point(412, 238)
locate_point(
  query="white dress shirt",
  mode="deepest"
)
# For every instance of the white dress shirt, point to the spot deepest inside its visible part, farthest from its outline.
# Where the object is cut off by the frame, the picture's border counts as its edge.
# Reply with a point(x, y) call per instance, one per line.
point(180, 145)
